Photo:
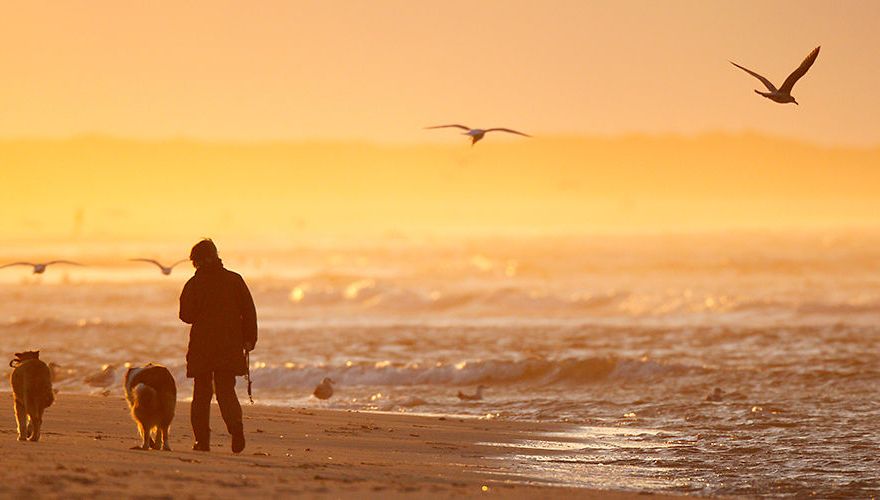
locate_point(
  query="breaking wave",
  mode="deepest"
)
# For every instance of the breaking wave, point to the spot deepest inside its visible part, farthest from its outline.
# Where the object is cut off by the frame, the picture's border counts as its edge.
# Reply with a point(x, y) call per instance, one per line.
point(537, 371)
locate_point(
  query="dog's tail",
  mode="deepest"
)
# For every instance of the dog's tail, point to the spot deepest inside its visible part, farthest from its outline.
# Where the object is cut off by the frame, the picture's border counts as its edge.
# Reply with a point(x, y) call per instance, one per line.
point(145, 397)
point(42, 395)
point(48, 395)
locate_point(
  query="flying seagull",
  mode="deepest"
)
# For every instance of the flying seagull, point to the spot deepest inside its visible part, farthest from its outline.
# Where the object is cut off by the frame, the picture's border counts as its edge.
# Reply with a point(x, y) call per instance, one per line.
point(40, 268)
point(782, 95)
point(478, 133)
point(165, 270)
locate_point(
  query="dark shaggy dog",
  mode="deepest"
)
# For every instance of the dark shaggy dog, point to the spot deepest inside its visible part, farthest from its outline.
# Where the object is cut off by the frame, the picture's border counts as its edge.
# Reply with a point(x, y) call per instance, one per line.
point(152, 396)
point(31, 382)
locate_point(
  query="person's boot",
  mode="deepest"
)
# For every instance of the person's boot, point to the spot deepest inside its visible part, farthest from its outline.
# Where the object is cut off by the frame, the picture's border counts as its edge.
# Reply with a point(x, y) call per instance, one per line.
point(202, 441)
point(238, 439)
point(201, 446)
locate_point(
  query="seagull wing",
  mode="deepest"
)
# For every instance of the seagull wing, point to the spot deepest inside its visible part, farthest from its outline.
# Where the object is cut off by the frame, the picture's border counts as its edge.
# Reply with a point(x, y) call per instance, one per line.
point(765, 81)
point(455, 125)
point(511, 131)
point(18, 264)
point(151, 261)
point(800, 71)
point(63, 262)
point(181, 261)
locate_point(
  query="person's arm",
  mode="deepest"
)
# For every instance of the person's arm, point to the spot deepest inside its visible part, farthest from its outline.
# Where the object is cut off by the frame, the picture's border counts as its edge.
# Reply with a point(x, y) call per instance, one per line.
point(248, 318)
point(188, 309)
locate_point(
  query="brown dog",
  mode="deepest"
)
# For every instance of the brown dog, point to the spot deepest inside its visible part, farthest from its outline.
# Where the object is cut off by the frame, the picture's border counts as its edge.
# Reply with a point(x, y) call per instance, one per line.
point(152, 396)
point(31, 382)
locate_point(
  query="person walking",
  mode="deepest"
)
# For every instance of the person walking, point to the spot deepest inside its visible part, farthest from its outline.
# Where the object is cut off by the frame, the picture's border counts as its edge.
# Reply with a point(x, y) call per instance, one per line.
point(219, 306)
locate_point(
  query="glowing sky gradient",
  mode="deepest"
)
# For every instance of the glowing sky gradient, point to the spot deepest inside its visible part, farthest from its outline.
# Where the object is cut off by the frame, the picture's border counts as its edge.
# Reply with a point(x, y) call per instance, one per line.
point(381, 70)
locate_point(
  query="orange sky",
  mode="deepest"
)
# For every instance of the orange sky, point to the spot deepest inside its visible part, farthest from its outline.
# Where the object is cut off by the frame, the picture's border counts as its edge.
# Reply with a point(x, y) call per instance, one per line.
point(380, 70)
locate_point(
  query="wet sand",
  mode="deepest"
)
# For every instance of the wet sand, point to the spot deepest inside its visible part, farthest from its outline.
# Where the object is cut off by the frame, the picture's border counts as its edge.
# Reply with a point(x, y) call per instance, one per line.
point(290, 451)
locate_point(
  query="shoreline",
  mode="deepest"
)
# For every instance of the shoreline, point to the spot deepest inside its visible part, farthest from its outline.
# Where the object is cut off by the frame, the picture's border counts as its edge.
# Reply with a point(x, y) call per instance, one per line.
point(86, 439)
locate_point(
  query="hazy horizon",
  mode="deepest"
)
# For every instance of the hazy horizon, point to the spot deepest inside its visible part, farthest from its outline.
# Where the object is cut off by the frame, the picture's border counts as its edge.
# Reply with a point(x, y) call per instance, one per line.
point(114, 188)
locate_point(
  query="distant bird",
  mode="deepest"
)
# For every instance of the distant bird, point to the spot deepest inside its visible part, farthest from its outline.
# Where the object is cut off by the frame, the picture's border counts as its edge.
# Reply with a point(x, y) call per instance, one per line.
point(716, 395)
point(472, 397)
point(165, 270)
point(40, 268)
point(103, 378)
point(324, 390)
point(782, 95)
point(478, 133)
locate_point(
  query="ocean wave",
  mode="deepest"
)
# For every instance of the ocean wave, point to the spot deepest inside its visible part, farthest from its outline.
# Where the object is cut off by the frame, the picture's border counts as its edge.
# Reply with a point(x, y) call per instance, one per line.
point(466, 373)
point(361, 293)
point(364, 293)
point(839, 308)
point(533, 371)
point(370, 296)
point(47, 325)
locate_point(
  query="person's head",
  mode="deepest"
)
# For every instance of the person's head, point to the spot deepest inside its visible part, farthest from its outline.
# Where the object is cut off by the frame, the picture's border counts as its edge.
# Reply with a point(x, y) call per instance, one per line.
point(204, 253)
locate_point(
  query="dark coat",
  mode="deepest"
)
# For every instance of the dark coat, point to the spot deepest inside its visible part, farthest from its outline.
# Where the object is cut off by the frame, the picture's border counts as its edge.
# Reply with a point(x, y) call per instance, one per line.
point(218, 305)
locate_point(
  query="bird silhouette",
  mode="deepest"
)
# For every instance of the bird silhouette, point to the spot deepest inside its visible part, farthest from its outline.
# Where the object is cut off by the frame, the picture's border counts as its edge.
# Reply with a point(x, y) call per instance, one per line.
point(476, 134)
point(783, 95)
point(40, 267)
point(472, 397)
point(165, 270)
point(102, 378)
point(324, 390)
point(716, 395)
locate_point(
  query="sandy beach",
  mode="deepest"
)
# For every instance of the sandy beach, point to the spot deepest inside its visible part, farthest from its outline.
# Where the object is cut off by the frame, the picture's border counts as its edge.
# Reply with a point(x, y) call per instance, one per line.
point(85, 453)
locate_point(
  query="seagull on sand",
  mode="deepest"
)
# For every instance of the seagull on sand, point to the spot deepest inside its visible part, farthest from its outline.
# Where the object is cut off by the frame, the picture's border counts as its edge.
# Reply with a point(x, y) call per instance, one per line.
point(478, 133)
point(716, 395)
point(40, 268)
point(103, 378)
point(165, 270)
point(477, 396)
point(782, 95)
point(325, 389)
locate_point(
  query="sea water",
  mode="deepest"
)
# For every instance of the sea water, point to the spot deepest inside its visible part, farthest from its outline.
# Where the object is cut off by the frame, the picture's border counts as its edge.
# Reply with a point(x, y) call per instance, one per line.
point(623, 338)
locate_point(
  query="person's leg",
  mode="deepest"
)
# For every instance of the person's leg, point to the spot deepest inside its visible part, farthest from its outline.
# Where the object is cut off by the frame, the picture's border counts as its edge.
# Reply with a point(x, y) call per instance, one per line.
point(230, 408)
point(200, 410)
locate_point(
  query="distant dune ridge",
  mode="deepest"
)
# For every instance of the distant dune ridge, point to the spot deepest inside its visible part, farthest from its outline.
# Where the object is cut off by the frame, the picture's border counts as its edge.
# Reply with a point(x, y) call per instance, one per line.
point(106, 187)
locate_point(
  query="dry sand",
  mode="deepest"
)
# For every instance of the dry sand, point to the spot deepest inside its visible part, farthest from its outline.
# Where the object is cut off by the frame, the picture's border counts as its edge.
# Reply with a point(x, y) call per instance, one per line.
point(85, 452)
